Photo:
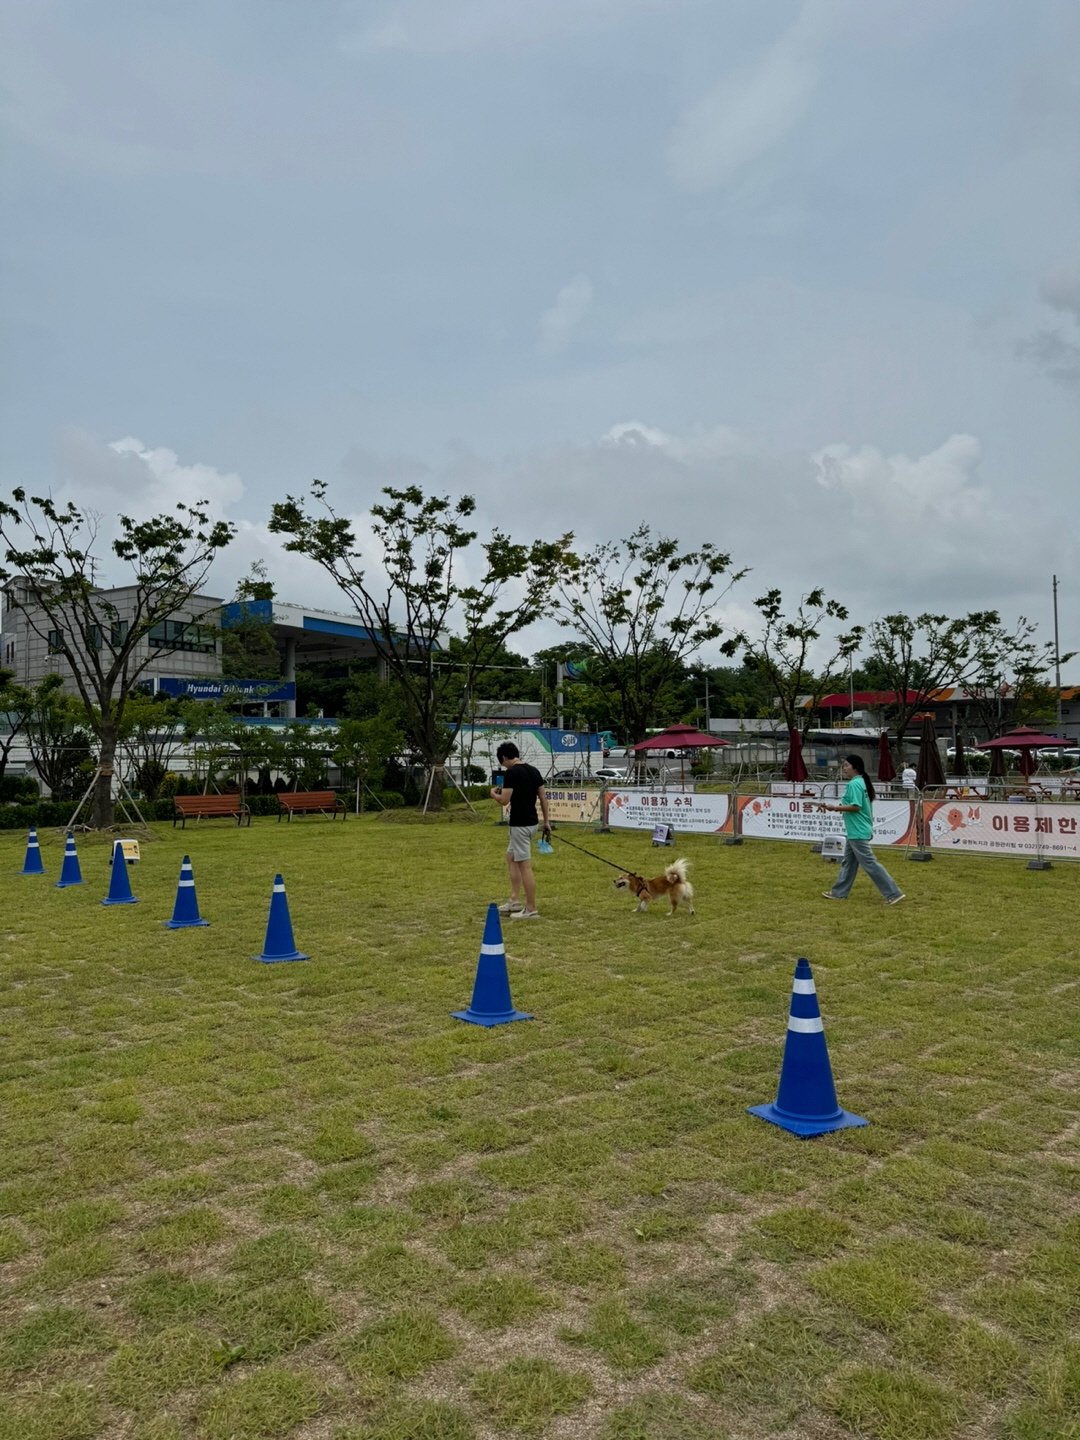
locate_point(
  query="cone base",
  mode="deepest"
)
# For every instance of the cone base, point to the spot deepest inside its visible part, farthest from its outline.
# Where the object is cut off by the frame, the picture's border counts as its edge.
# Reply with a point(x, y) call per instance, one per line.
point(275, 959)
point(32, 872)
point(808, 1125)
point(479, 1017)
point(125, 900)
point(67, 884)
point(183, 924)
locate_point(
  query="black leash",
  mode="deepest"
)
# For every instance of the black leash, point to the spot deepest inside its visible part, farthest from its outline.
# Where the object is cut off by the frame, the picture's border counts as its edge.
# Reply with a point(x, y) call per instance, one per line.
point(621, 868)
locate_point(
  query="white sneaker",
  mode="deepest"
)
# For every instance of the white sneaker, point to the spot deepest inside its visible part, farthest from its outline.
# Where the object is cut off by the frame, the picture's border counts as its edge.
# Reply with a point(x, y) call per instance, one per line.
point(525, 915)
point(509, 907)
point(895, 900)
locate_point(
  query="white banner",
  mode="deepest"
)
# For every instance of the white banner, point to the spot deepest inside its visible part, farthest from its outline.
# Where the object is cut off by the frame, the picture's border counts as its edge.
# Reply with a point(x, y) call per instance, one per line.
point(1000, 828)
point(772, 817)
point(579, 807)
point(639, 810)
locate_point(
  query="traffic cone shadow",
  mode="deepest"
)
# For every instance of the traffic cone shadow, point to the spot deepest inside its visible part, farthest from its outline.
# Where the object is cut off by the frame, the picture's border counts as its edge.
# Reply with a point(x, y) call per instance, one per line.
point(70, 873)
point(119, 884)
point(185, 913)
point(806, 1101)
point(279, 943)
point(491, 1003)
point(32, 864)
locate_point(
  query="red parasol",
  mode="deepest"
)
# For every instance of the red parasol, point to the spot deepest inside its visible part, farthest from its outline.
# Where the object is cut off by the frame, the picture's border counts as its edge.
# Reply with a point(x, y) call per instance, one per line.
point(679, 737)
point(1024, 739)
point(795, 768)
point(929, 771)
point(886, 770)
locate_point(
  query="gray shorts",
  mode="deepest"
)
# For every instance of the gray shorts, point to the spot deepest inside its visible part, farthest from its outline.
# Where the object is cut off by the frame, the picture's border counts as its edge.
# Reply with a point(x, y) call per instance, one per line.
point(521, 838)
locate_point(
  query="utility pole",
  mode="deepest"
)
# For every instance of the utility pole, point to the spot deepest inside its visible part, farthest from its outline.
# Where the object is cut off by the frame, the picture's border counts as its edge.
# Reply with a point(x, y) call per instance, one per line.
point(1057, 658)
point(560, 678)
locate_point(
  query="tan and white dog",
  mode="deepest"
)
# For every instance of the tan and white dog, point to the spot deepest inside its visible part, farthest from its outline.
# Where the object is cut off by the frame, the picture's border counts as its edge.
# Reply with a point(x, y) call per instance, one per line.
point(672, 883)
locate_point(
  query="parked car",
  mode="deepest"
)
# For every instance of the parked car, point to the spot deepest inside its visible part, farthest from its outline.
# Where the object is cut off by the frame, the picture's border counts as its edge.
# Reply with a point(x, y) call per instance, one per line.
point(609, 775)
point(565, 777)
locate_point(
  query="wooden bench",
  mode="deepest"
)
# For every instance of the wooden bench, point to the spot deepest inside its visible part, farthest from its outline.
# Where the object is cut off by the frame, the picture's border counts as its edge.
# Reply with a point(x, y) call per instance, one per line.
point(208, 807)
point(305, 802)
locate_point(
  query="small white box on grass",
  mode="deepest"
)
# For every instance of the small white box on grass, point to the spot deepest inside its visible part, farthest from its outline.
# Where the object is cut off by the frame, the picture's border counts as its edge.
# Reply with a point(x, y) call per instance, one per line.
point(832, 847)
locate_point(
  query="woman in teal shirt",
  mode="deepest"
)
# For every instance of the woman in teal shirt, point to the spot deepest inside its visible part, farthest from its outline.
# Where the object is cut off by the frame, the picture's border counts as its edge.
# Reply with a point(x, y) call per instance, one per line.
point(858, 814)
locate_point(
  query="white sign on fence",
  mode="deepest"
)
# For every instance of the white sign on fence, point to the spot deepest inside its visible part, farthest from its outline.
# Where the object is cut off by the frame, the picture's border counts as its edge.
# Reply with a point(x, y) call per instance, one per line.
point(639, 810)
point(773, 817)
point(999, 828)
point(579, 807)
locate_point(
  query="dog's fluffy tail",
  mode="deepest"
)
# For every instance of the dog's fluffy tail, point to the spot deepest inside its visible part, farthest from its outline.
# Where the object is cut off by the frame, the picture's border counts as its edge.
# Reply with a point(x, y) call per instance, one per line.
point(676, 871)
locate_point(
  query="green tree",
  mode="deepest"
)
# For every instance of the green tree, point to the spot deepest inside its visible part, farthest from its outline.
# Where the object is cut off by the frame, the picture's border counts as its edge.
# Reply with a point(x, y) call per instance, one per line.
point(58, 737)
point(300, 752)
point(1007, 676)
point(49, 551)
point(782, 652)
point(151, 734)
point(426, 546)
point(364, 748)
point(16, 707)
point(917, 656)
point(248, 648)
point(643, 607)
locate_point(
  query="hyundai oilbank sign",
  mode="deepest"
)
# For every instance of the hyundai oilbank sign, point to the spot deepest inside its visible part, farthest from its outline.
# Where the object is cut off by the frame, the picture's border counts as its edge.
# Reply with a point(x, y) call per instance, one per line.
point(252, 690)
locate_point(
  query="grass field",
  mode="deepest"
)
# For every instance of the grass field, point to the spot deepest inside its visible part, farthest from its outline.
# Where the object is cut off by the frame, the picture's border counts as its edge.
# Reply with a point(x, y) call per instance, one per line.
point(242, 1201)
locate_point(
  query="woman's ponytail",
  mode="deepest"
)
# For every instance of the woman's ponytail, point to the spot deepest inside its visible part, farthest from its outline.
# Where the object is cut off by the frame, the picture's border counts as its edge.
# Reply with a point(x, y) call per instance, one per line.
point(857, 764)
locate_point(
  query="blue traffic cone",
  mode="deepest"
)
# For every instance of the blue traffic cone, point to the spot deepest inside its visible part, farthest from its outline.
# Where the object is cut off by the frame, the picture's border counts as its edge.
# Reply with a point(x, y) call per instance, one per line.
point(806, 1101)
point(119, 884)
point(186, 910)
point(70, 874)
point(279, 943)
point(32, 864)
point(491, 1003)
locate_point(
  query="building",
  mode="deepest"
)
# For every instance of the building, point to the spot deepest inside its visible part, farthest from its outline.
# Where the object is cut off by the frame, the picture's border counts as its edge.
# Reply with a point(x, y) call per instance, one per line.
point(184, 652)
point(952, 707)
point(187, 645)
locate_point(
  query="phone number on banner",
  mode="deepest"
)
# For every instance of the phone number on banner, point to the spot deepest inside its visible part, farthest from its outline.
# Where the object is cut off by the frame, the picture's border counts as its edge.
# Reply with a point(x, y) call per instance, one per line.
point(635, 810)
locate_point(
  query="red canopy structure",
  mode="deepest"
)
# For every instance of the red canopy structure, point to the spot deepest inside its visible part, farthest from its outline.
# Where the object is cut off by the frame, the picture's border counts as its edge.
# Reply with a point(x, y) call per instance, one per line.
point(795, 768)
point(1024, 739)
point(886, 770)
point(679, 737)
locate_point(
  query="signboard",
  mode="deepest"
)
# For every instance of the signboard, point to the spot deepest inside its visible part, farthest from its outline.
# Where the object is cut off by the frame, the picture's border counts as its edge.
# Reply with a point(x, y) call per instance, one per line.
point(661, 835)
point(774, 817)
point(1000, 828)
point(642, 810)
point(832, 847)
point(130, 849)
point(578, 807)
point(195, 688)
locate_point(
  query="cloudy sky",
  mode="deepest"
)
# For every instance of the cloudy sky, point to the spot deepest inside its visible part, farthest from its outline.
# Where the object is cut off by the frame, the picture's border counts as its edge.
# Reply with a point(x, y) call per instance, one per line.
point(798, 276)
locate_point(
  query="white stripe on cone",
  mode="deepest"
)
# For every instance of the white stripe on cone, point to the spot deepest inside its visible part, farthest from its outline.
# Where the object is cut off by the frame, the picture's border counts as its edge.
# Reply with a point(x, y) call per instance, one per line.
point(492, 950)
point(806, 1027)
point(803, 987)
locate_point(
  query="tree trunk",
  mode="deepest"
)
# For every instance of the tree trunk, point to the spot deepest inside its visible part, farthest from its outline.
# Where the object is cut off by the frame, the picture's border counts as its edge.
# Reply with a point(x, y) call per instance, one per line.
point(434, 789)
point(103, 800)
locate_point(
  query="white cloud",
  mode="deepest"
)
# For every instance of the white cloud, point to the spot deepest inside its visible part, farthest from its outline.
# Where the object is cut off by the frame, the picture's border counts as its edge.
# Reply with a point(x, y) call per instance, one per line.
point(558, 324)
point(752, 109)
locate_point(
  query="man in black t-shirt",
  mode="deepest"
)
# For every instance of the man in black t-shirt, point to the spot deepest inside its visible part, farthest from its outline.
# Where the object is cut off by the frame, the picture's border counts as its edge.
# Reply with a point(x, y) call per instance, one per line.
point(522, 786)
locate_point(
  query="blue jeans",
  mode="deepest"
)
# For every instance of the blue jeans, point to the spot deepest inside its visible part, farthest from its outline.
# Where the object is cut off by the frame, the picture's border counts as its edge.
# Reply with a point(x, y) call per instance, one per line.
point(857, 853)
